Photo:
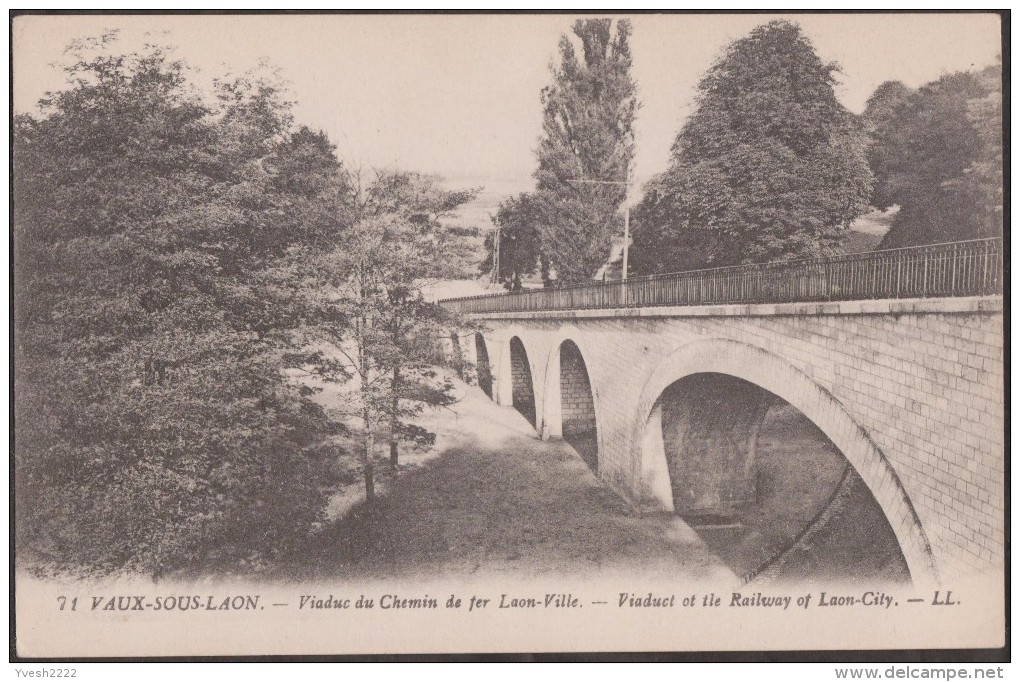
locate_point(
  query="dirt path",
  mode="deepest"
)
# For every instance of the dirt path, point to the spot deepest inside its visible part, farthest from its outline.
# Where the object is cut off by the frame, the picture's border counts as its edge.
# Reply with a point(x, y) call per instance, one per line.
point(499, 501)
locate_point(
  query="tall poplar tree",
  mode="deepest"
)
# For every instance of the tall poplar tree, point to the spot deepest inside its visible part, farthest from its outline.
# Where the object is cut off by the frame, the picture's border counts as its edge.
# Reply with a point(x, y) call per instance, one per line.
point(588, 135)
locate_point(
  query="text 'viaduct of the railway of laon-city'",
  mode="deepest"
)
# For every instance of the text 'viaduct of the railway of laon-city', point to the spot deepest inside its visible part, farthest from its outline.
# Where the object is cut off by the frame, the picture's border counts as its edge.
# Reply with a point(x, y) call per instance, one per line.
point(896, 356)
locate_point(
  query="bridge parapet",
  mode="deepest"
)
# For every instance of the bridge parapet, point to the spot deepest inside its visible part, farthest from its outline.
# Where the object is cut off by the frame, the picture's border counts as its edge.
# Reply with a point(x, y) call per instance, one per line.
point(958, 269)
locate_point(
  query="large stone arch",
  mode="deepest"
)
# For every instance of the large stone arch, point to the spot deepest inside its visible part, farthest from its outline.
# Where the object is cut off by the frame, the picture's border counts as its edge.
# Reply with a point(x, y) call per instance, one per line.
point(774, 374)
point(552, 417)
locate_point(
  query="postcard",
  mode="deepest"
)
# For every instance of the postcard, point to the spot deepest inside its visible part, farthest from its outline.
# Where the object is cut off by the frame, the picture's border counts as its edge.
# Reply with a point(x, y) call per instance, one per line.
point(345, 334)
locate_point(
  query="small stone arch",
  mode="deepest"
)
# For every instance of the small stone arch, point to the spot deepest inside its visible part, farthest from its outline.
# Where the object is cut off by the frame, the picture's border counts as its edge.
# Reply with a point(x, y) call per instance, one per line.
point(552, 417)
point(776, 375)
point(498, 345)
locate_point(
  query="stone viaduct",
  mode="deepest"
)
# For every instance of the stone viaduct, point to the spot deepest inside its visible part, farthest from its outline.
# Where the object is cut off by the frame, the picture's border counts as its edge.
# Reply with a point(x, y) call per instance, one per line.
point(911, 391)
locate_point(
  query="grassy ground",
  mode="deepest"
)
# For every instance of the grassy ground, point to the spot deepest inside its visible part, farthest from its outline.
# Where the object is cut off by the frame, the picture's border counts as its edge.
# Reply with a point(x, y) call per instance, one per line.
point(499, 501)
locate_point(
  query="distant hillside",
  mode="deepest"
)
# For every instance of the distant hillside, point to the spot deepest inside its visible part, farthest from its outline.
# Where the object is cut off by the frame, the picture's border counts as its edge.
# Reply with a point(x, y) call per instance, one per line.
point(478, 213)
point(457, 288)
point(866, 233)
point(875, 221)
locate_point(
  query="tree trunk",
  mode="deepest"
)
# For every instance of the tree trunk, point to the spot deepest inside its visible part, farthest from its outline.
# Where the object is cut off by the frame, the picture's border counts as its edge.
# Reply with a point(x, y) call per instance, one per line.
point(366, 455)
point(366, 410)
point(394, 418)
point(369, 483)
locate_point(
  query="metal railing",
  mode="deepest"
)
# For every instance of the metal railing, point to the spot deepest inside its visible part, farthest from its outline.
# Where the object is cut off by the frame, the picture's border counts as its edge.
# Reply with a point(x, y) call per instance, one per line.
point(970, 268)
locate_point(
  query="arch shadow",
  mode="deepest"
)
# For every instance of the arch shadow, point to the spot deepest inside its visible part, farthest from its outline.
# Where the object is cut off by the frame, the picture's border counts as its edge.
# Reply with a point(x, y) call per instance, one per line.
point(522, 381)
point(482, 365)
point(575, 409)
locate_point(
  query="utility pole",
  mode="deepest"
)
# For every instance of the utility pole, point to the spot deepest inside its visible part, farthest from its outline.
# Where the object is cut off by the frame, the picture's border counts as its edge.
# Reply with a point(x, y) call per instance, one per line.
point(626, 224)
point(495, 256)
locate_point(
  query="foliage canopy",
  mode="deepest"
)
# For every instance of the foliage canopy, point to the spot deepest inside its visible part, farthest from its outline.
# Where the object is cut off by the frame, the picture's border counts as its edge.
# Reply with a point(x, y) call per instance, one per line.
point(770, 166)
point(178, 256)
point(937, 154)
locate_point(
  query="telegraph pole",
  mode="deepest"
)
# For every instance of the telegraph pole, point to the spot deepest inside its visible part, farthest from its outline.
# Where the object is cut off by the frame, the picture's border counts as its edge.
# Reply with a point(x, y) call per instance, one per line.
point(495, 256)
point(626, 224)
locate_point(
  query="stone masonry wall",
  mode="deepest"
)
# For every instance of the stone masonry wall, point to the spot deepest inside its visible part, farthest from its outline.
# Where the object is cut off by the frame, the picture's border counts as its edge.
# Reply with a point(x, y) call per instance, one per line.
point(523, 387)
point(575, 392)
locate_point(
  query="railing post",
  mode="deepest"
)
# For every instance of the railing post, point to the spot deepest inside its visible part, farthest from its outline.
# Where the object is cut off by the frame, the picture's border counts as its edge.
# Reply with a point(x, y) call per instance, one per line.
point(924, 280)
point(984, 270)
point(899, 273)
point(955, 258)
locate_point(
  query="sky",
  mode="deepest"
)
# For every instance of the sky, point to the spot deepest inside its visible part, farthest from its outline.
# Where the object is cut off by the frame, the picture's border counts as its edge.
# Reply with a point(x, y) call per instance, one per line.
point(458, 95)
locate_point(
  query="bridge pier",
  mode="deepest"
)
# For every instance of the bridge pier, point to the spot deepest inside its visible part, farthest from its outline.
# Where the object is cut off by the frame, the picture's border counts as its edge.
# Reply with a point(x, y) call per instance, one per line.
point(552, 413)
point(502, 376)
point(710, 425)
point(656, 490)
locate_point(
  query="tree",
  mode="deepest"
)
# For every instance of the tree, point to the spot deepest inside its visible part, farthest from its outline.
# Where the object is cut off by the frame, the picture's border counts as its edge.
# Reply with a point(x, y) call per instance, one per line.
point(588, 135)
point(938, 156)
point(770, 166)
point(371, 308)
point(519, 255)
point(880, 115)
point(985, 171)
point(156, 427)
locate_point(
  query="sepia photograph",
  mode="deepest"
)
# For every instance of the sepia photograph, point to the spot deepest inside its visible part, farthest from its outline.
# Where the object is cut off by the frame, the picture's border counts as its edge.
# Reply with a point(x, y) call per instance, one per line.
point(478, 334)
